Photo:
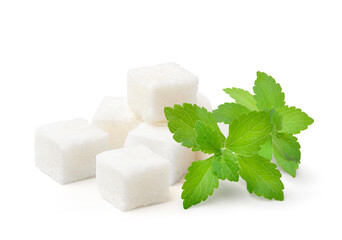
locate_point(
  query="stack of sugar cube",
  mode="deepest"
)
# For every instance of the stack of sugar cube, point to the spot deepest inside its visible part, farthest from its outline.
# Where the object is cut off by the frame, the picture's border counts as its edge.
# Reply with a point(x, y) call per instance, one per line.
point(135, 155)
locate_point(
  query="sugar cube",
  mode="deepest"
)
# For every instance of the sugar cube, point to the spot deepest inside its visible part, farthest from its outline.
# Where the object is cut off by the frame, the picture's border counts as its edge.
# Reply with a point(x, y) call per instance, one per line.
point(116, 118)
point(150, 89)
point(203, 101)
point(66, 151)
point(159, 140)
point(132, 177)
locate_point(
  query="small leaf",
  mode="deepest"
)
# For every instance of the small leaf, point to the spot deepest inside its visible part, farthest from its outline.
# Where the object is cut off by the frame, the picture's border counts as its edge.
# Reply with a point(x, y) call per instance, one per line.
point(242, 97)
point(268, 93)
point(226, 166)
point(208, 140)
point(266, 150)
point(277, 120)
point(199, 184)
point(227, 112)
point(294, 120)
point(286, 151)
point(262, 177)
point(182, 120)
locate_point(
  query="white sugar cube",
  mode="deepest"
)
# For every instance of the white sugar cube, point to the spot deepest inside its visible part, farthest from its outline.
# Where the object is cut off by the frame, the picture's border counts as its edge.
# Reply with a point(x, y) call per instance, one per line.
point(150, 89)
point(66, 151)
point(224, 129)
point(203, 101)
point(116, 118)
point(132, 177)
point(159, 140)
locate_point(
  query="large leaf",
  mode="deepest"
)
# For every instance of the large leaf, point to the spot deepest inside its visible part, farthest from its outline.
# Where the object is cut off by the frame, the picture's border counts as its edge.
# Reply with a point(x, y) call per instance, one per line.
point(200, 183)
point(248, 132)
point(262, 177)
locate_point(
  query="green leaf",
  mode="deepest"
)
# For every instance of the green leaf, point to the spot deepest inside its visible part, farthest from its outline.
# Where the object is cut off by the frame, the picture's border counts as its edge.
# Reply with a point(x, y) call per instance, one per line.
point(226, 166)
point(268, 93)
point(286, 151)
point(294, 120)
point(266, 150)
point(227, 112)
point(182, 120)
point(262, 177)
point(200, 183)
point(248, 132)
point(242, 97)
point(208, 140)
point(277, 120)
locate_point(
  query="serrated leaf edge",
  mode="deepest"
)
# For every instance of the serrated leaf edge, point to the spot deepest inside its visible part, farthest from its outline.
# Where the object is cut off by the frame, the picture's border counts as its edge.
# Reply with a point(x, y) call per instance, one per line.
point(209, 194)
point(310, 118)
point(274, 166)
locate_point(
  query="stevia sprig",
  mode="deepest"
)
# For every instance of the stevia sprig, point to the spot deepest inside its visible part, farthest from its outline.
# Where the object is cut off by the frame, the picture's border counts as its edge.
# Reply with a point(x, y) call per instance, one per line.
point(286, 121)
point(234, 156)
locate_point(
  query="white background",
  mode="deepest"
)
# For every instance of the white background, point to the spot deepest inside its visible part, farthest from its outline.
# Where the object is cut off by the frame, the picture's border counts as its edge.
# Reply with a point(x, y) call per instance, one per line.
point(58, 59)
